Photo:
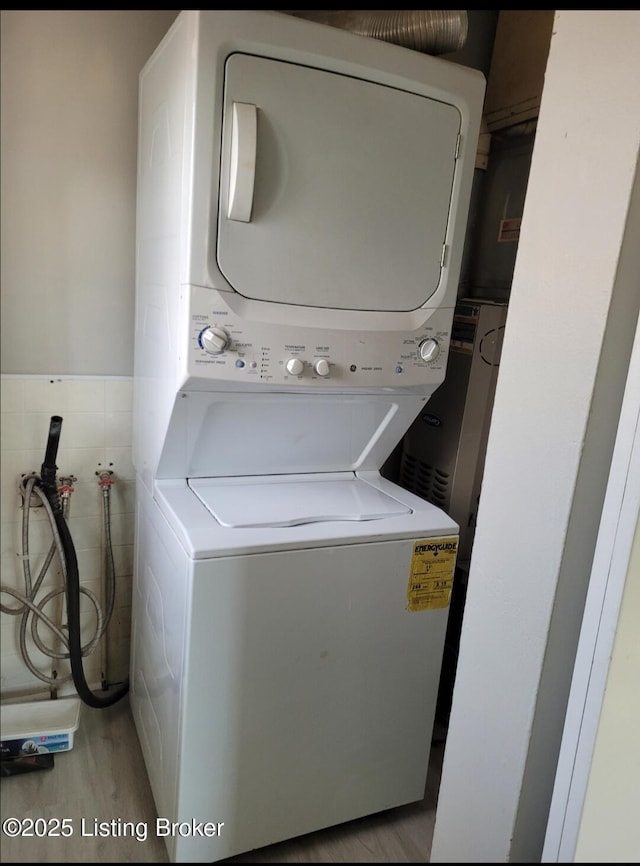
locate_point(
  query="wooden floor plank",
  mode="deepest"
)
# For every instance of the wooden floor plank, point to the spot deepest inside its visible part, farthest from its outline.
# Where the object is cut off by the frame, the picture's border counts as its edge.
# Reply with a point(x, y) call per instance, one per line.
point(103, 778)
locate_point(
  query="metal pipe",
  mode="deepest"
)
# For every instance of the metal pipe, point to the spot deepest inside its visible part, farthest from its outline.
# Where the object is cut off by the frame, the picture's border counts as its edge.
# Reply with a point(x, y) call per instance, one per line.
point(431, 31)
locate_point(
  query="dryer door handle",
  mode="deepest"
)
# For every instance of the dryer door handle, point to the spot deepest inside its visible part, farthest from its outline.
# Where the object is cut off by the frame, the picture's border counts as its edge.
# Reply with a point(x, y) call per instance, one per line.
point(244, 142)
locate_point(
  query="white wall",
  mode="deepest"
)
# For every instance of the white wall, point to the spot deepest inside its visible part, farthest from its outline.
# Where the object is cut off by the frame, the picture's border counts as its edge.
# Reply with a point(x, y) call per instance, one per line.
point(69, 145)
point(572, 317)
point(69, 152)
point(594, 810)
point(609, 829)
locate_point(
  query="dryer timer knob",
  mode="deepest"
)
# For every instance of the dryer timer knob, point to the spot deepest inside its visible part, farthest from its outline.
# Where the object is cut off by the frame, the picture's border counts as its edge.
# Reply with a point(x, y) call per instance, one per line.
point(429, 350)
point(214, 340)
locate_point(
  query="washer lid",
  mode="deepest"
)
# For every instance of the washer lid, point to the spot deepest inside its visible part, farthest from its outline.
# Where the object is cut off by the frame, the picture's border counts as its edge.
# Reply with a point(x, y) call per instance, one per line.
point(264, 501)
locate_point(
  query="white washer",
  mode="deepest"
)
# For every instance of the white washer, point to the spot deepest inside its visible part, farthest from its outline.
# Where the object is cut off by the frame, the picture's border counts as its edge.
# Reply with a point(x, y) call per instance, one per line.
point(281, 683)
point(302, 203)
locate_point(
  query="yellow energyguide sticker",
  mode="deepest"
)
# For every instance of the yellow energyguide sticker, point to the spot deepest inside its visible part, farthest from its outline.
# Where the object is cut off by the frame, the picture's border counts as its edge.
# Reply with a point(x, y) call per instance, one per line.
point(431, 574)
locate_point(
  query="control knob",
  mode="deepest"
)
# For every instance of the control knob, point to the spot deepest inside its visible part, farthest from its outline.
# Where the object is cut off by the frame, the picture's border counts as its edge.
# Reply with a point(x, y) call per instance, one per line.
point(429, 350)
point(214, 340)
point(295, 366)
point(321, 367)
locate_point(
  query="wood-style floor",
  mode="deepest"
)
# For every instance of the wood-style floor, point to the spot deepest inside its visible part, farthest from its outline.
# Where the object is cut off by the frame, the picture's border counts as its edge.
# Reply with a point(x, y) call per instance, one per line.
point(103, 777)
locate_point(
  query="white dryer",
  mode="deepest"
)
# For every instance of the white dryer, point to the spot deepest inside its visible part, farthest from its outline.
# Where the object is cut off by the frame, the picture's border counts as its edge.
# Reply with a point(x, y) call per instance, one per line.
point(302, 203)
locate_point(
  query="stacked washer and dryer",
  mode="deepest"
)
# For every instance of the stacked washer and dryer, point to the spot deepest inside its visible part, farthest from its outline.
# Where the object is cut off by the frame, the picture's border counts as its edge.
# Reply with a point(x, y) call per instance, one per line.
point(302, 205)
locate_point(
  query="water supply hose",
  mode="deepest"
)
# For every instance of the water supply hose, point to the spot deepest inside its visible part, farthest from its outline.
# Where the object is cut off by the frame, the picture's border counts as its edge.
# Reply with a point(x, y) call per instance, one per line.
point(72, 575)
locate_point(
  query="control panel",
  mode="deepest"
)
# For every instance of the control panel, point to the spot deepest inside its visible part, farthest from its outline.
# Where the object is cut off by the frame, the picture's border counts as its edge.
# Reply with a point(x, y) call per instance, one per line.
point(225, 347)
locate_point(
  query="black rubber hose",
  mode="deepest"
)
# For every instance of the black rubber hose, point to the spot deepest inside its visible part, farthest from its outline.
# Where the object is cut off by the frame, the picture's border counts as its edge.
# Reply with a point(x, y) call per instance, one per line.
point(73, 621)
point(49, 468)
point(55, 428)
point(72, 585)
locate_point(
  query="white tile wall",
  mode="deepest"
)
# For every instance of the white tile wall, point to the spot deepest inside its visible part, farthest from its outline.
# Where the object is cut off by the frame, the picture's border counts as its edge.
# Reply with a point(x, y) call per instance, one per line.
point(95, 435)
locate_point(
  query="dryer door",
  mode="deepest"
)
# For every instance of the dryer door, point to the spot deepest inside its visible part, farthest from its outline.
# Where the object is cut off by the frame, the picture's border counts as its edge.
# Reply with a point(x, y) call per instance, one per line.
point(334, 191)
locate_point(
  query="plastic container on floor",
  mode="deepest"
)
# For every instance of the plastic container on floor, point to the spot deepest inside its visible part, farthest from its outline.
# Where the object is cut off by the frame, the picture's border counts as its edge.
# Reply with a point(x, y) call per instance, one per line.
point(37, 727)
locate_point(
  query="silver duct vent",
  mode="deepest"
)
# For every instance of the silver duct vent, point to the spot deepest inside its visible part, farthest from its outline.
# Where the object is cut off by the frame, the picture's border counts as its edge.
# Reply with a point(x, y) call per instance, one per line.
point(432, 32)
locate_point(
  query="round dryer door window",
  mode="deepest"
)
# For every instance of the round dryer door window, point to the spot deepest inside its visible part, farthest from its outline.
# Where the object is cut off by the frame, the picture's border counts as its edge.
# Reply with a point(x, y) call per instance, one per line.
point(335, 191)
